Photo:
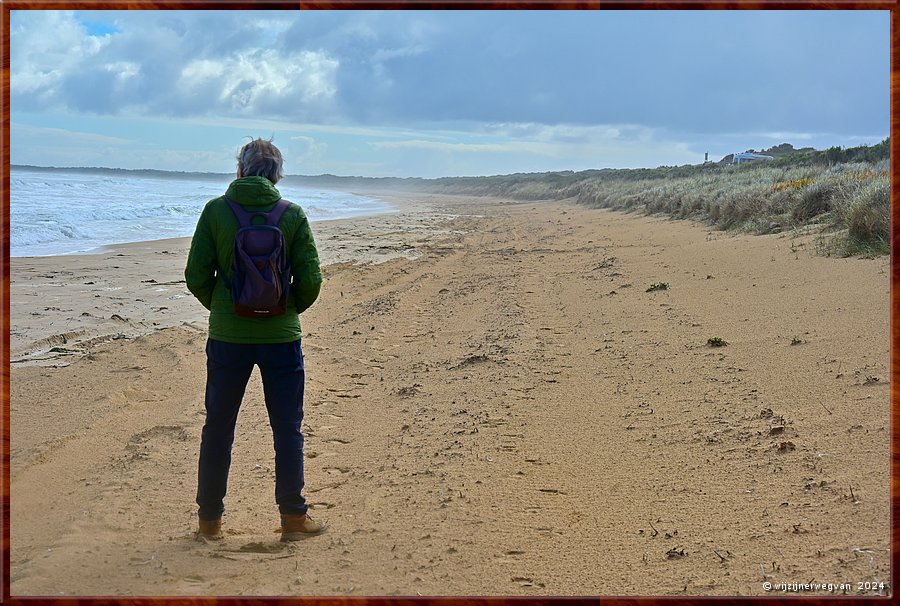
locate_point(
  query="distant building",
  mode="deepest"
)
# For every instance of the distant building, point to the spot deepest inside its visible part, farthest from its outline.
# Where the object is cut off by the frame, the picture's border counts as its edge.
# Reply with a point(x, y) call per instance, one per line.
point(748, 157)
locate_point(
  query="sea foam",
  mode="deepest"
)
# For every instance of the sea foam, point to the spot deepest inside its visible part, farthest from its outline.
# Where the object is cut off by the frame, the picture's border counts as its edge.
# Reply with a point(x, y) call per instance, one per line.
point(64, 212)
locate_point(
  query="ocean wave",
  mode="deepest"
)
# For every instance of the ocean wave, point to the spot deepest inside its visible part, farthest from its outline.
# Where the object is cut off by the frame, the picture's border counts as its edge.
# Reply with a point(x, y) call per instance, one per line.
point(60, 213)
point(21, 235)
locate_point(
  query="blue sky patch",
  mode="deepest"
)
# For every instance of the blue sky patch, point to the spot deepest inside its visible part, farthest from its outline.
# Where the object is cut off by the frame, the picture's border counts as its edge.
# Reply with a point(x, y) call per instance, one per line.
point(98, 28)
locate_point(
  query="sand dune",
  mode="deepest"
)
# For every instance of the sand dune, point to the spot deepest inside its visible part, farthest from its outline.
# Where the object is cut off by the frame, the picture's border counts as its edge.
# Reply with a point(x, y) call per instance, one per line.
point(498, 406)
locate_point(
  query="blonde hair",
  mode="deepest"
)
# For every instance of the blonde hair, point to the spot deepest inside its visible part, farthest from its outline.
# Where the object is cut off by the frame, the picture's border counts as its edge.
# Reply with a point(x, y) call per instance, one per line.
point(260, 158)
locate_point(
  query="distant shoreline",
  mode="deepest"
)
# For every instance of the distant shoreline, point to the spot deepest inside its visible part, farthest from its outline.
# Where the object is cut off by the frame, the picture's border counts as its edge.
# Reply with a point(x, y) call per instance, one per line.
point(322, 181)
point(143, 172)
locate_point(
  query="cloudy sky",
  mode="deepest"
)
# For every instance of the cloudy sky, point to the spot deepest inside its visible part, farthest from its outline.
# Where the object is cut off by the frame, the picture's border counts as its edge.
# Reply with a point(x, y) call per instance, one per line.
point(422, 93)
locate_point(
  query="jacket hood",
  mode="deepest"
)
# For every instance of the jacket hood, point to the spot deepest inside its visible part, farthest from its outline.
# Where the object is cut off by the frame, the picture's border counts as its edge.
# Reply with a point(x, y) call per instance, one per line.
point(253, 191)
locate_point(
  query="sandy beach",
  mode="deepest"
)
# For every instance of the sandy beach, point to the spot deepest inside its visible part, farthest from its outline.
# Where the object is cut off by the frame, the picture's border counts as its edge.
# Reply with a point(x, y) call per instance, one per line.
point(496, 404)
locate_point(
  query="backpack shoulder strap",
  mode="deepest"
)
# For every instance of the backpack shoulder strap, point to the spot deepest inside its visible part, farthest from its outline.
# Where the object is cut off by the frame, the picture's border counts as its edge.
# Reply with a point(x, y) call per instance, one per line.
point(274, 215)
point(240, 214)
point(245, 218)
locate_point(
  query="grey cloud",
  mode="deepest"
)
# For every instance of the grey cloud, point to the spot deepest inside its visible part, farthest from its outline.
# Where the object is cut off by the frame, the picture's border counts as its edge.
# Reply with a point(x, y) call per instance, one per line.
point(656, 69)
point(704, 72)
point(162, 45)
point(157, 42)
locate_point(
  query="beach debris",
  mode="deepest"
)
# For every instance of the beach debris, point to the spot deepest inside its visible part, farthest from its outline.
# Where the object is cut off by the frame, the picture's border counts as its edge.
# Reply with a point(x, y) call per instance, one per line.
point(535, 462)
point(716, 342)
point(409, 390)
point(676, 553)
point(129, 369)
point(136, 561)
point(606, 263)
point(658, 286)
point(64, 351)
point(815, 484)
point(471, 360)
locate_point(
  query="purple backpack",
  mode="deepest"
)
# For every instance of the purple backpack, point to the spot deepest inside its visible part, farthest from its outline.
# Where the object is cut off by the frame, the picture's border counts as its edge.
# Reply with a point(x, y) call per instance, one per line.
point(260, 271)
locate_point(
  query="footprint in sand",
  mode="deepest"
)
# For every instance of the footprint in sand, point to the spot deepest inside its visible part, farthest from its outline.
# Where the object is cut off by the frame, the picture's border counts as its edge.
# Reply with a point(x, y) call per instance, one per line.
point(340, 470)
point(174, 432)
point(143, 445)
point(261, 547)
point(195, 584)
point(511, 556)
point(526, 582)
point(326, 487)
point(194, 578)
point(256, 550)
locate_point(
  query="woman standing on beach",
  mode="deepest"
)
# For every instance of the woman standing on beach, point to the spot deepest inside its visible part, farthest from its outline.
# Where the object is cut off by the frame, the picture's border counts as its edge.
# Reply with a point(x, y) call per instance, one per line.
point(237, 343)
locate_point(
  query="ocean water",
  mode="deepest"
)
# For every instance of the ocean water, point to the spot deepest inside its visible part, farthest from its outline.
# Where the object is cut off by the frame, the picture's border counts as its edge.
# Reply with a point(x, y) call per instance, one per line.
point(61, 213)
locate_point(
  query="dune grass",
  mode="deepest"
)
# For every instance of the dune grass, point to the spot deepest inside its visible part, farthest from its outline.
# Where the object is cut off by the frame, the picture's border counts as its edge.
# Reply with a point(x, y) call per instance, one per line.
point(850, 203)
point(846, 203)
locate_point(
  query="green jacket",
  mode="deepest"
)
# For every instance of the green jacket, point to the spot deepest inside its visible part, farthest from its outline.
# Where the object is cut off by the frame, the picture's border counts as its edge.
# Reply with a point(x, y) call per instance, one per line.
point(212, 250)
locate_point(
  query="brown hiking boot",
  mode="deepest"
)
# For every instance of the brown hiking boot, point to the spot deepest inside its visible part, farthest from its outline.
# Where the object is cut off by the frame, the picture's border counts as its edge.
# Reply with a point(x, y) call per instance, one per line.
point(210, 529)
point(297, 527)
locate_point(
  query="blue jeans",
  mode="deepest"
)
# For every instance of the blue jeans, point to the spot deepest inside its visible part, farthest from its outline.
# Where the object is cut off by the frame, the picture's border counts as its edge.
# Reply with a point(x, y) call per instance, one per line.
point(228, 368)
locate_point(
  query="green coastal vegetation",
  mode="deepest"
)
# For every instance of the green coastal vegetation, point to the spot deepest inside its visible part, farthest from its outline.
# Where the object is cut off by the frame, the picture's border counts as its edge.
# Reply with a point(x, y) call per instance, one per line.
point(840, 194)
